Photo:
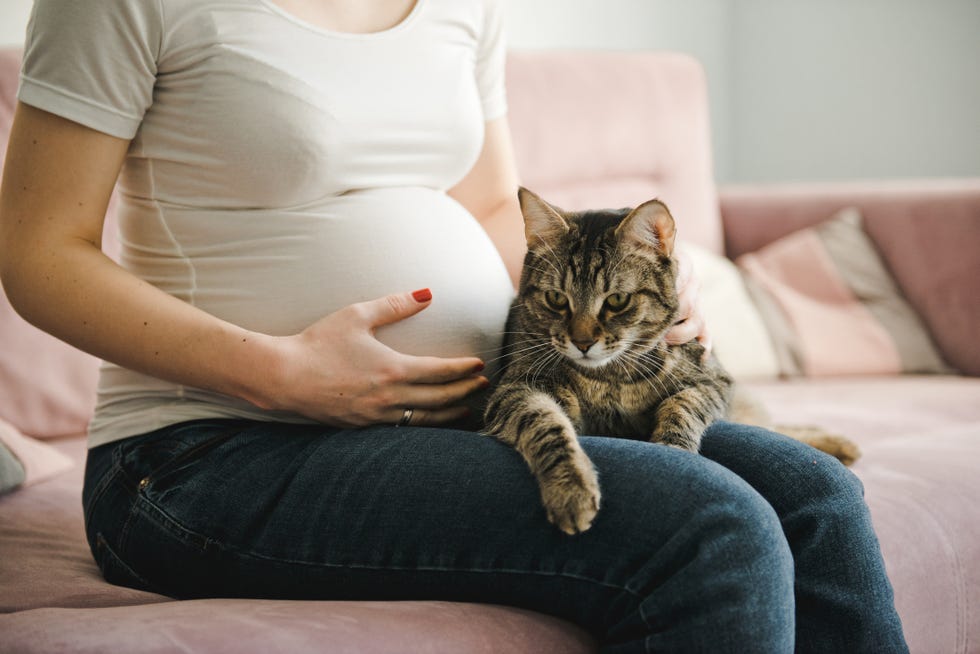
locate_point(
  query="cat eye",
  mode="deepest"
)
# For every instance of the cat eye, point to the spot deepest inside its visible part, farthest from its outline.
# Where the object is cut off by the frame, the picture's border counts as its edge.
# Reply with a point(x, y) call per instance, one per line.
point(618, 301)
point(556, 300)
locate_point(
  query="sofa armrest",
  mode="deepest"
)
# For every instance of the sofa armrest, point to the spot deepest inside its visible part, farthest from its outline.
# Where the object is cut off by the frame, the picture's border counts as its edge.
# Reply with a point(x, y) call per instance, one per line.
point(928, 233)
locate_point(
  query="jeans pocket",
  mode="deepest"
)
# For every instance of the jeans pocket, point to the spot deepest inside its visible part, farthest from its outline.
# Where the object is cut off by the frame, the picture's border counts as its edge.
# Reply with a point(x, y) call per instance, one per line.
point(167, 451)
point(114, 569)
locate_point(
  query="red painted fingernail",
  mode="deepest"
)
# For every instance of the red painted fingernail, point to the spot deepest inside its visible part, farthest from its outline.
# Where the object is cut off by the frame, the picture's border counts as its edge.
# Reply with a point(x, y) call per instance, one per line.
point(422, 295)
point(478, 367)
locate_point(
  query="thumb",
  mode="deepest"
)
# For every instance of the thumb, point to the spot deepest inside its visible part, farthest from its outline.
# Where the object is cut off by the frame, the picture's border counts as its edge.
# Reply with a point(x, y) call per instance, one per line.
point(397, 306)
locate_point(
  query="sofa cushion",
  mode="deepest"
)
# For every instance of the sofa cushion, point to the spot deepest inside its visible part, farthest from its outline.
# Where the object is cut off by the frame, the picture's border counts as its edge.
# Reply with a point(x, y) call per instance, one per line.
point(628, 158)
point(11, 470)
point(38, 461)
point(48, 386)
point(243, 626)
point(832, 306)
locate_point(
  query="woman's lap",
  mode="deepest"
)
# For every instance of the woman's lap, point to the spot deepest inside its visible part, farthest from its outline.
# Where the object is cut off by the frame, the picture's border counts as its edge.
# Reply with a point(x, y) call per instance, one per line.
point(271, 510)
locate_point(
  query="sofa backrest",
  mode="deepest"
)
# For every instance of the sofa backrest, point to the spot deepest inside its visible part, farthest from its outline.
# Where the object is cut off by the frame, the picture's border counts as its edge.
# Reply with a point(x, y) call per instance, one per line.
point(610, 129)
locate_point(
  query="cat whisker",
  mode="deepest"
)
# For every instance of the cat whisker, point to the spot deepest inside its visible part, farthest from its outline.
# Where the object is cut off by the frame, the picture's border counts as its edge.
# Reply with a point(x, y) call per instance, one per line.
point(541, 365)
point(529, 353)
point(648, 372)
point(638, 365)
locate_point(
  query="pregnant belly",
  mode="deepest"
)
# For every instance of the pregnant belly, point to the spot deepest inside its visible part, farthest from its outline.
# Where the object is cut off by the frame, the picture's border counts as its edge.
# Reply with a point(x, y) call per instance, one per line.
point(283, 271)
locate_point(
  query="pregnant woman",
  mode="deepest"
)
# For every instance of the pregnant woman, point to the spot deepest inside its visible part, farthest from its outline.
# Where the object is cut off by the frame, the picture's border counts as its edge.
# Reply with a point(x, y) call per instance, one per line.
point(272, 414)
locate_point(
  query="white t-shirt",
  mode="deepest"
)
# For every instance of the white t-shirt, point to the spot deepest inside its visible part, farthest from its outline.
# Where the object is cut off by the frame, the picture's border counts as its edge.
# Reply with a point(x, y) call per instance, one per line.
point(278, 171)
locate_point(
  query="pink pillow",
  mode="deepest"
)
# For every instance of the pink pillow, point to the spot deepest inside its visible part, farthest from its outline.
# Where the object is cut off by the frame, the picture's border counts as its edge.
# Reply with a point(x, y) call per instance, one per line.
point(833, 308)
point(40, 460)
point(48, 387)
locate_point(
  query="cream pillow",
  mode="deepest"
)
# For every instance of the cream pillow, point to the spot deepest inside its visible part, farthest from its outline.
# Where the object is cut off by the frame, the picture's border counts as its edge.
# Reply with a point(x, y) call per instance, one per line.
point(741, 340)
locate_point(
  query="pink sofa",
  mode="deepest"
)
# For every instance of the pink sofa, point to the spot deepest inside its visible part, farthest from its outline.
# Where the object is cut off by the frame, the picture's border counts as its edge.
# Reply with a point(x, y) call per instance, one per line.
point(590, 129)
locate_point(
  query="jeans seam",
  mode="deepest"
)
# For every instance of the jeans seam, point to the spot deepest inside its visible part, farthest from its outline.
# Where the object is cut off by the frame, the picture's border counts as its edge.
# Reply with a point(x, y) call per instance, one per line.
point(423, 568)
point(104, 483)
point(111, 553)
point(148, 507)
point(189, 536)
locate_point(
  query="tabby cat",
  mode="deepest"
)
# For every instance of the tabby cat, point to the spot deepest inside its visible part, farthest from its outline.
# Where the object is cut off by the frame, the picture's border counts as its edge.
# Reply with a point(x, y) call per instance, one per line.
point(584, 350)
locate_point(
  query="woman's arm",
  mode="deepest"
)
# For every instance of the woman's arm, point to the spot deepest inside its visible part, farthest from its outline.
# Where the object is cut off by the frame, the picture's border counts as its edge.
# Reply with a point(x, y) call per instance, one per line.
point(57, 182)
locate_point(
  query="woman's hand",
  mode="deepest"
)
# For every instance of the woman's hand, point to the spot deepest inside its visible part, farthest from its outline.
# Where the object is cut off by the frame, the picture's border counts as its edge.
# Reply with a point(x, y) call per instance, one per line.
point(690, 324)
point(338, 373)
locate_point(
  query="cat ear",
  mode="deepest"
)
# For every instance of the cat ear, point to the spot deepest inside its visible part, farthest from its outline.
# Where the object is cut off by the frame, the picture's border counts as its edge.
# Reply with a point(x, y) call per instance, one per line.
point(649, 225)
point(542, 222)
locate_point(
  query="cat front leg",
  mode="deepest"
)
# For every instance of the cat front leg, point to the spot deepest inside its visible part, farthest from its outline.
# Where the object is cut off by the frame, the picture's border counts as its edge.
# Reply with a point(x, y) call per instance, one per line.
point(682, 418)
point(534, 424)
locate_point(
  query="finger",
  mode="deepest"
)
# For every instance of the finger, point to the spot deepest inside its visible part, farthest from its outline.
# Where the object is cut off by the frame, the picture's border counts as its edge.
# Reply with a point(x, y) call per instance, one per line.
point(682, 332)
point(439, 396)
point(689, 301)
point(691, 321)
point(392, 308)
point(437, 370)
point(704, 338)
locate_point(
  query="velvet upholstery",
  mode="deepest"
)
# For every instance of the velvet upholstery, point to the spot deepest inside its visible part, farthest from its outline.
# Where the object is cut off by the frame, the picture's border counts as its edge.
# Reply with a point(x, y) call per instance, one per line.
point(927, 231)
point(590, 129)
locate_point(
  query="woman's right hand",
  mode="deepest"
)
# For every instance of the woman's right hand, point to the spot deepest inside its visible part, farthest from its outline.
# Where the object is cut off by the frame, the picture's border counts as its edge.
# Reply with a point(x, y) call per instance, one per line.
point(338, 373)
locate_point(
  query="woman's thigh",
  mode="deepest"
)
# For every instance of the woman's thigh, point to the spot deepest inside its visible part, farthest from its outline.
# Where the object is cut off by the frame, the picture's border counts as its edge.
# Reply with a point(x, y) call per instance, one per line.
point(274, 510)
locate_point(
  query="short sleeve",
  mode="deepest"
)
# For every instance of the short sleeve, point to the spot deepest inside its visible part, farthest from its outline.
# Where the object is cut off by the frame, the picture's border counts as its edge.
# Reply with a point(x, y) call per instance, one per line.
point(93, 61)
point(491, 61)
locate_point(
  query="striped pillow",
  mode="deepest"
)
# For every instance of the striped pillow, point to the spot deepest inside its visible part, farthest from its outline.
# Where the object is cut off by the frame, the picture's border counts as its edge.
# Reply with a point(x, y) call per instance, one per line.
point(832, 307)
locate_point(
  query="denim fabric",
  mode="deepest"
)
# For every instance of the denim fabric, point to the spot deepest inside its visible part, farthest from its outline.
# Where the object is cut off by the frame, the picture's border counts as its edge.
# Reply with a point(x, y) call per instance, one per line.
point(688, 553)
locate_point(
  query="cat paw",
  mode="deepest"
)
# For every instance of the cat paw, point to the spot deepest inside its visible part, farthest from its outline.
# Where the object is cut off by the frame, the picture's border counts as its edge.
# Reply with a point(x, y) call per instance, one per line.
point(572, 500)
point(676, 440)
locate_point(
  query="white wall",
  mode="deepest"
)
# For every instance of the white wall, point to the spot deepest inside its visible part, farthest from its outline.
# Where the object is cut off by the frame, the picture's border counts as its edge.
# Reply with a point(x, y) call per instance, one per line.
point(13, 20)
point(697, 27)
point(800, 89)
point(840, 89)
point(805, 89)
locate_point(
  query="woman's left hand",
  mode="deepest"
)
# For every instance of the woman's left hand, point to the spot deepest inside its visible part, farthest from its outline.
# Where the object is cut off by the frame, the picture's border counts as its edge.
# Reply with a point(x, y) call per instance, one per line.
point(690, 323)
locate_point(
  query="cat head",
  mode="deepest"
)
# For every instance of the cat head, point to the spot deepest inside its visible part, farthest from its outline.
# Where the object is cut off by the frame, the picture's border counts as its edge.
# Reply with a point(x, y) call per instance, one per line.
point(600, 285)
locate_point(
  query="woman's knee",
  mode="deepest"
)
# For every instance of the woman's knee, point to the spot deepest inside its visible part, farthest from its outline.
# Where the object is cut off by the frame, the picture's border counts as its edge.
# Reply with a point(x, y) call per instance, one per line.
point(789, 474)
point(698, 550)
point(743, 528)
point(676, 504)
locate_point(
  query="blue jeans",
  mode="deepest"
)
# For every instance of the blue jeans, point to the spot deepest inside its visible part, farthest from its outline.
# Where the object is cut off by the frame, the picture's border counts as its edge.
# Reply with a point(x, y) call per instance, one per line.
point(760, 544)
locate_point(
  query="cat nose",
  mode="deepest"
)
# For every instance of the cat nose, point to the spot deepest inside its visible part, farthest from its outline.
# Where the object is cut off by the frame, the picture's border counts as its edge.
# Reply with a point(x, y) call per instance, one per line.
point(583, 345)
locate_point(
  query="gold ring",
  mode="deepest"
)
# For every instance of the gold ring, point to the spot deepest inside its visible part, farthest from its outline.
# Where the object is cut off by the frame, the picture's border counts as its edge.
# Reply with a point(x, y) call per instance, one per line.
point(406, 418)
